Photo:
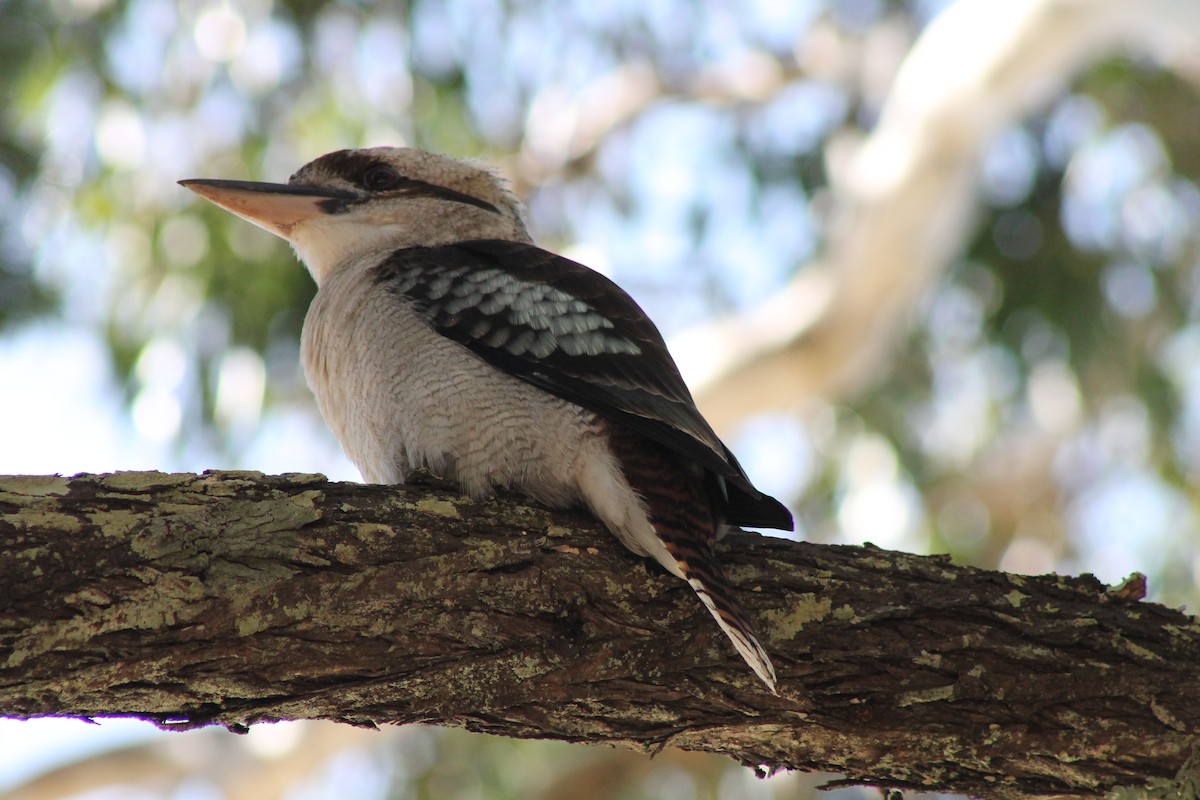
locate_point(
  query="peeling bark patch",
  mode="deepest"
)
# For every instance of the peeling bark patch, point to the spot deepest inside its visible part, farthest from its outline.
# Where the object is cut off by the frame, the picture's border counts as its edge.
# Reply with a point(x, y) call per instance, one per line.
point(37, 520)
point(25, 486)
point(1015, 598)
point(804, 609)
point(442, 508)
point(934, 695)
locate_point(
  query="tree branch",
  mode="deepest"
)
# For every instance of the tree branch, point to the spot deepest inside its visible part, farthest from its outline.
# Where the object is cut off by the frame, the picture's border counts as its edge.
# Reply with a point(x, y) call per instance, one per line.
point(233, 598)
point(904, 201)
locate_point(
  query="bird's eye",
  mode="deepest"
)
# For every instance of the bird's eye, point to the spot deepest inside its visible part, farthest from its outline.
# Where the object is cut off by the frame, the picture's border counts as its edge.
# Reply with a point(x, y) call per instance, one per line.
point(377, 179)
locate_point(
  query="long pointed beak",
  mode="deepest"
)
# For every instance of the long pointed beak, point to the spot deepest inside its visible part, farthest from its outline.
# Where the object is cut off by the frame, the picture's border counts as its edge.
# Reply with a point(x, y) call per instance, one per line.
point(274, 207)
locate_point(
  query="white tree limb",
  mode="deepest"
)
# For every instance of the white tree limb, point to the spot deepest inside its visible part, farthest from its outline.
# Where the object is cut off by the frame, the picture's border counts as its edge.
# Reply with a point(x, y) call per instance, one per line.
point(904, 202)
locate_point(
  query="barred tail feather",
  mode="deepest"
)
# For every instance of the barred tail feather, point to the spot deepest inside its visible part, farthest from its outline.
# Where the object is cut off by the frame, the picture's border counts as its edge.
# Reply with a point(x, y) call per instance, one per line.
point(697, 564)
point(718, 598)
point(684, 517)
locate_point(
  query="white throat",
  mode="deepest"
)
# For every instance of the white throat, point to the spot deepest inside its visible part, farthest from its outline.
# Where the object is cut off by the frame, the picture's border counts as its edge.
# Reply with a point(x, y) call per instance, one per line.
point(326, 244)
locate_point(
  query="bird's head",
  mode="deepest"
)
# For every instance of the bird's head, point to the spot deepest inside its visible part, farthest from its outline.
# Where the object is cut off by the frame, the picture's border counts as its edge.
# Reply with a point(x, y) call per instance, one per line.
point(350, 204)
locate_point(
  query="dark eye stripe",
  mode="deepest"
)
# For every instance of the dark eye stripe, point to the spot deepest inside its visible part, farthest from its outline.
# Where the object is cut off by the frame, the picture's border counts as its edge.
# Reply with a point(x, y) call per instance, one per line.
point(411, 186)
point(351, 164)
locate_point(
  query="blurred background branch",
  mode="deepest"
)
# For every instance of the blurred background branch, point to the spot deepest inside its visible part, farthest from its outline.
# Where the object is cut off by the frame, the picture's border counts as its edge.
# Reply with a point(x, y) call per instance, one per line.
point(906, 197)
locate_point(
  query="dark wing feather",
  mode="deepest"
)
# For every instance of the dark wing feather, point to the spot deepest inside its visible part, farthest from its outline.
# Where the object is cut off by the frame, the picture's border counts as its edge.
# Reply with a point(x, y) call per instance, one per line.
point(568, 330)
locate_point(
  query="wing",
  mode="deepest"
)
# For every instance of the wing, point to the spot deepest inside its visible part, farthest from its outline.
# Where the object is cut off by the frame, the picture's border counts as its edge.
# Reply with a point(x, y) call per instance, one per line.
point(572, 332)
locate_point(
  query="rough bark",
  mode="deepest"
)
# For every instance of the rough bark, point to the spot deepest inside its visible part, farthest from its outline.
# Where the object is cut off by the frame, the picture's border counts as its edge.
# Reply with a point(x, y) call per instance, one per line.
point(233, 598)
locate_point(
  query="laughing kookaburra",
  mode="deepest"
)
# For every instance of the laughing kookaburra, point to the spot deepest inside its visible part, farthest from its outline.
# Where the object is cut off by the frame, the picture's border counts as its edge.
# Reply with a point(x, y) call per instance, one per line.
point(442, 337)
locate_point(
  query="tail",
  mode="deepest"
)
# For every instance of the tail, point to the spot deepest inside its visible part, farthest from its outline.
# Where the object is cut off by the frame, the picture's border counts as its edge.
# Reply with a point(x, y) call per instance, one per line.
point(705, 577)
point(684, 512)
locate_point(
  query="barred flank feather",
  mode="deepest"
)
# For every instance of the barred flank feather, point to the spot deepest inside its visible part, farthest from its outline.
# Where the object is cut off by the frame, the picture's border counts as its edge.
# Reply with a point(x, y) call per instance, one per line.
point(684, 512)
